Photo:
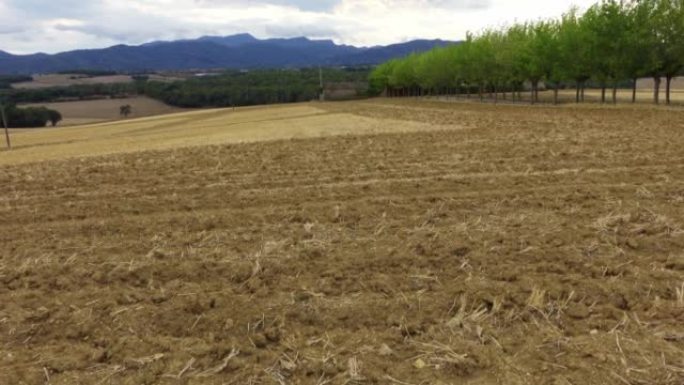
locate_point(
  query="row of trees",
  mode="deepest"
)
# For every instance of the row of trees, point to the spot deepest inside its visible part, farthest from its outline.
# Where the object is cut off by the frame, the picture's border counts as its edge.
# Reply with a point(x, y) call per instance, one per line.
point(611, 44)
point(72, 92)
point(238, 88)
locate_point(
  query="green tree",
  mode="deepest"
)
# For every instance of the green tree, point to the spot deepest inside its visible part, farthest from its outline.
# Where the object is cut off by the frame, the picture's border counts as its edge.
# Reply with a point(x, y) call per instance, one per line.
point(670, 31)
point(599, 46)
point(662, 35)
point(125, 110)
point(538, 55)
point(54, 117)
point(574, 50)
point(637, 54)
point(404, 76)
point(378, 81)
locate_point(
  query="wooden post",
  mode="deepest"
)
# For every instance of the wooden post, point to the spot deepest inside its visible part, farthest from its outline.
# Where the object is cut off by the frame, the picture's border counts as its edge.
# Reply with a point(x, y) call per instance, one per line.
point(321, 95)
point(4, 124)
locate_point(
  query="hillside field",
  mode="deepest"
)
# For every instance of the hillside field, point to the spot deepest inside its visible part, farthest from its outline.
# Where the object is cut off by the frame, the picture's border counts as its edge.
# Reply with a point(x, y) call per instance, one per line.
point(64, 80)
point(386, 241)
point(106, 110)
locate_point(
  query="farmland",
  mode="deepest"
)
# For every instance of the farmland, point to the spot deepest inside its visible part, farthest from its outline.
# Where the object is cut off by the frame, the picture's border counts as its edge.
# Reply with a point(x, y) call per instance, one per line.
point(390, 241)
point(64, 80)
point(643, 95)
point(102, 110)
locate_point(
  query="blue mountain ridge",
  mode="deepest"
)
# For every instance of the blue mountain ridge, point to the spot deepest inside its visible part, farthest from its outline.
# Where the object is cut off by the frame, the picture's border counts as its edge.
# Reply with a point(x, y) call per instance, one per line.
point(241, 51)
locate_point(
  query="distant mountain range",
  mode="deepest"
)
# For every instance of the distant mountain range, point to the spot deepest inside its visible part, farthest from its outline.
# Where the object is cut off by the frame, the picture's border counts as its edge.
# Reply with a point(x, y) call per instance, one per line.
point(241, 51)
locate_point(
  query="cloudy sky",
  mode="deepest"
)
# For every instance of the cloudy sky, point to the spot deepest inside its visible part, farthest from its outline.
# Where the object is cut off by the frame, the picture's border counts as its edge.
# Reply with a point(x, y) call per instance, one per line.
point(28, 26)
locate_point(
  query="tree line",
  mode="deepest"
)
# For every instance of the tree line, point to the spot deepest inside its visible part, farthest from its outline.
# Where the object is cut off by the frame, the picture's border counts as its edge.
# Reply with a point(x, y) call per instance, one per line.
point(6, 81)
point(612, 44)
point(72, 92)
point(247, 88)
point(29, 117)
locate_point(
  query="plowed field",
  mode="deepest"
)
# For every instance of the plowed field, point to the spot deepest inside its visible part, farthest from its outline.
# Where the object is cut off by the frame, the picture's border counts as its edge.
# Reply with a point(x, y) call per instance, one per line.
point(432, 243)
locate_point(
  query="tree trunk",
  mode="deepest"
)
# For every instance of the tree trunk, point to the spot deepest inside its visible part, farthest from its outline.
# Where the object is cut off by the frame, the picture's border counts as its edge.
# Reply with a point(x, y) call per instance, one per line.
point(656, 90)
point(634, 90)
point(668, 84)
point(481, 94)
point(555, 94)
point(603, 93)
point(582, 92)
point(615, 93)
point(532, 93)
point(577, 92)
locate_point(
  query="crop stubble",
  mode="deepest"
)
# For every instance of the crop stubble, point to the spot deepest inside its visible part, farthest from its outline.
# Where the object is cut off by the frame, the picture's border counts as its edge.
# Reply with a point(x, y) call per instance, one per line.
point(527, 246)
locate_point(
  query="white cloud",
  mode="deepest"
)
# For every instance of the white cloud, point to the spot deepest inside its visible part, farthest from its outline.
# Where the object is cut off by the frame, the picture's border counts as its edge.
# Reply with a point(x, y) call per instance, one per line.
point(51, 26)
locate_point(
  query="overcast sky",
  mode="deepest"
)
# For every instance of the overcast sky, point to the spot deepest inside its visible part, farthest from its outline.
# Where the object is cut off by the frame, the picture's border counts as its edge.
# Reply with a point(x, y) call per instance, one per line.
point(28, 26)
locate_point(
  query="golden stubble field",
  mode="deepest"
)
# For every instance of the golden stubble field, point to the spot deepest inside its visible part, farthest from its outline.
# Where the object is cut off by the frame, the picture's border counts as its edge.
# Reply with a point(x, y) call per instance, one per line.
point(431, 243)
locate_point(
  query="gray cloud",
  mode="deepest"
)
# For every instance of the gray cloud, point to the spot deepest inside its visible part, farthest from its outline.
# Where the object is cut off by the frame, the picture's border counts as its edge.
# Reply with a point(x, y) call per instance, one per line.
point(55, 25)
point(305, 5)
point(311, 30)
point(11, 29)
point(54, 9)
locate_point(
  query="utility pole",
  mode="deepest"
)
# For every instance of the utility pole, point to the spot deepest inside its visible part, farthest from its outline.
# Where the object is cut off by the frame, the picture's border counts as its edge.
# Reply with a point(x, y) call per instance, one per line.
point(321, 94)
point(4, 124)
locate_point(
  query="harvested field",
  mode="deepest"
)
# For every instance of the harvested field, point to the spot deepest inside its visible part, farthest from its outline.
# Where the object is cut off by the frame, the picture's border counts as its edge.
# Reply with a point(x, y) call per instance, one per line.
point(196, 128)
point(677, 83)
point(104, 110)
point(63, 80)
point(451, 243)
point(644, 95)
